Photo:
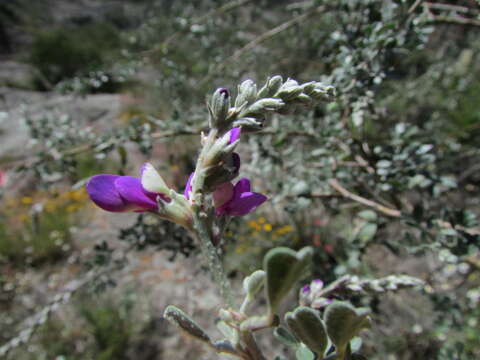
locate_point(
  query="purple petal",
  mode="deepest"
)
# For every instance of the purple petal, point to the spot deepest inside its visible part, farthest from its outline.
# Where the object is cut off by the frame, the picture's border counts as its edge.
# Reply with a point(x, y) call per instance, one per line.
point(306, 289)
point(246, 203)
point(222, 194)
point(188, 186)
point(131, 190)
point(242, 185)
point(102, 191)
point(234, 134)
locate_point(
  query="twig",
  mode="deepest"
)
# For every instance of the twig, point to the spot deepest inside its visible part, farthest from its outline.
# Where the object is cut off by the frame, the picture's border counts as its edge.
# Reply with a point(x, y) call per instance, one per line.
point(221, 10)
point(454, 20)
point(414, 6)
point(271, 33)
point(347, 194)
point(265, 36)
point(449, 7)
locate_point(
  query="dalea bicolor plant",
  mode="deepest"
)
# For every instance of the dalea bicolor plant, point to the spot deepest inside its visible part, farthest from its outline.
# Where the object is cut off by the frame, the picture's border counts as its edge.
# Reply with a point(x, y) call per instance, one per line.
point(210, 199)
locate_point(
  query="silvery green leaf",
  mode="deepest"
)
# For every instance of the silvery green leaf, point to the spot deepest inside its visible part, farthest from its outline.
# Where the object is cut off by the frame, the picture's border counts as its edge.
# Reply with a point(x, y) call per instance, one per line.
point(356, 343)
point(343, 322)
point(285, 336)
point(303, 353)
point(306, 325)
point(254, 282)
point(284, 267)
point(180, 319)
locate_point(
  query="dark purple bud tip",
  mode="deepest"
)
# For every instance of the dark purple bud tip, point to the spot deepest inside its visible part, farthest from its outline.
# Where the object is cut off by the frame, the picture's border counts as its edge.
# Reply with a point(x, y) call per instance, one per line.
point(224, 92)
point(306, 289)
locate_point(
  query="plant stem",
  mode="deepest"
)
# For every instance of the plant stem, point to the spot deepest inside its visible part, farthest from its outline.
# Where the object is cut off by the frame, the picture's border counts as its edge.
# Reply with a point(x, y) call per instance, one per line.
point(203, 232)
point(210, 253)
point(251, 346)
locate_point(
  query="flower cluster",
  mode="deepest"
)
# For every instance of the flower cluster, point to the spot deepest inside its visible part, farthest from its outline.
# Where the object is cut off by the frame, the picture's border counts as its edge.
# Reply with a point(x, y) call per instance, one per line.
point(313, 294)
point(126, 193)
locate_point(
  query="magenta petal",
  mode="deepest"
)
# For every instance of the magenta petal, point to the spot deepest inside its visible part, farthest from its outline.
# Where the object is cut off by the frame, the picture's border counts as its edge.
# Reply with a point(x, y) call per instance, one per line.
point(247, 202)
point(131, 190)
point(102, 191)
point(188, 186)
point(234, 134)
point(242, 186)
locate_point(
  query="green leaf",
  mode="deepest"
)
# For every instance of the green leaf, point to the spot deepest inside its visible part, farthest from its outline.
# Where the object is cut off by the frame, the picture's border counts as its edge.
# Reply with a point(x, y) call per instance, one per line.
point(344, 322)
point(368, 215)
point(253, 283)
point(356, 343)
point(284, 268)
point(367, 232)
point(180, 319)
point(283, 335)
point(303, 353)
point(306, 325)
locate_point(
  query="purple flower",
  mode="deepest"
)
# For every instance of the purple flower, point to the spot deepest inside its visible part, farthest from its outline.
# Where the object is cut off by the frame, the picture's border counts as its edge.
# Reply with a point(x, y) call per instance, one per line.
point(242, 201)
point(117, 193)
point(232, 200)
point(228, 199)
point(234, 134)
point(305, 289)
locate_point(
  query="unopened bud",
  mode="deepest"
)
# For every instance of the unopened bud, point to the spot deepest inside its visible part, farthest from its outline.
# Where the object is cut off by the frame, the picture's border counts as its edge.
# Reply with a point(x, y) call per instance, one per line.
point(264, 105)
point(247, 92)
point(251, 124)
point(323, 92)
point(219, 106)
point(289, 90)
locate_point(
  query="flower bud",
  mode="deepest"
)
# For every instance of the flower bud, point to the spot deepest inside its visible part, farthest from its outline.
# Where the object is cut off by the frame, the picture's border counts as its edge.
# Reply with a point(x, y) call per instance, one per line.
point(264, 105)
point(251, 124)
point(323, 92)
point(219, 106)
point(247, 92)
point(226, 170)
point(271, 87)
point(289, 90)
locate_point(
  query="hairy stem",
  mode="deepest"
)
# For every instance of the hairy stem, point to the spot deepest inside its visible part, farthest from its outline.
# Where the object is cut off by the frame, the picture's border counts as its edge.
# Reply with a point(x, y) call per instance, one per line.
point(203, 233)
point(210, 254)
point(251, 346)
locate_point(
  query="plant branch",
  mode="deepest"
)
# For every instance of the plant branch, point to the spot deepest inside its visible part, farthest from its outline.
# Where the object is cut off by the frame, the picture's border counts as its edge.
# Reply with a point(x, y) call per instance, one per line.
point(349, 195)
point(231, 5)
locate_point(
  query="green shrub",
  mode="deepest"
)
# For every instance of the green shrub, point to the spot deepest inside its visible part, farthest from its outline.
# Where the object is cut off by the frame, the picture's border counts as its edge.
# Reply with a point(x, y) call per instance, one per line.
point(67, 51)
point(37, 229)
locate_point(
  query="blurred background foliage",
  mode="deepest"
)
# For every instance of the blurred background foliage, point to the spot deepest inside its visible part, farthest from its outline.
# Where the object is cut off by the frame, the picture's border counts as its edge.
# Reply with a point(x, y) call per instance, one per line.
point(386, 179)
